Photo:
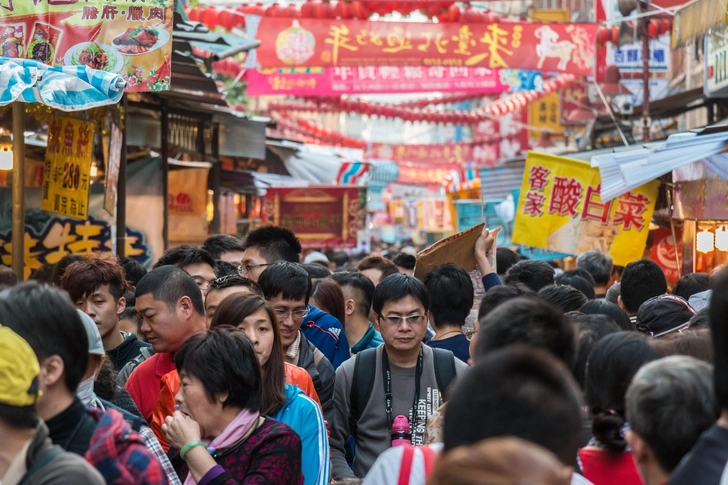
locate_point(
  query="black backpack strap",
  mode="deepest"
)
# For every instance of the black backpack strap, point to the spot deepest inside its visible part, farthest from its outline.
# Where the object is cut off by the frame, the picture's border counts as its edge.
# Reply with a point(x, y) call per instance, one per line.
point(48, 456)
point(444, 369)
point(362, 383)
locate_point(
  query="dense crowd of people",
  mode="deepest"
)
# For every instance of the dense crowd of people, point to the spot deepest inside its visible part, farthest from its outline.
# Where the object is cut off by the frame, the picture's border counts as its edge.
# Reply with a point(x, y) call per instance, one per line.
point(253, 362)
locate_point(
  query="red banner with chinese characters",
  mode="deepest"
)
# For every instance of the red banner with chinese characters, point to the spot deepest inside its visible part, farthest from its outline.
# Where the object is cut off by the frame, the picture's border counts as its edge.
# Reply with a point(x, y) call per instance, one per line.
point(663, 252)
point(319, 81)
point(324, 43)
point(130, 37)
point(448, 153)
point(322, 217)
point(425, 173)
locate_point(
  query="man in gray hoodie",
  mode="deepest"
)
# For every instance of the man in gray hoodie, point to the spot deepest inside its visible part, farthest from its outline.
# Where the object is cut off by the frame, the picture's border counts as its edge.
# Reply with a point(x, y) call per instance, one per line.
point(402, 377)
point(26, 452)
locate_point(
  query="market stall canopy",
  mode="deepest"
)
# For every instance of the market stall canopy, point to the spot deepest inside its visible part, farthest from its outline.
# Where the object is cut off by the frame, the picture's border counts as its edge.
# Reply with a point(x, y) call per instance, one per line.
point(695, 19)
point(188, 34)
point(66, 88)
point(626, 170)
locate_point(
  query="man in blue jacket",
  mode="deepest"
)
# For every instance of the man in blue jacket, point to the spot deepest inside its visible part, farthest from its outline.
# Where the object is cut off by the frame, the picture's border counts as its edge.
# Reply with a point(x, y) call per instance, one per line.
point(326, 334)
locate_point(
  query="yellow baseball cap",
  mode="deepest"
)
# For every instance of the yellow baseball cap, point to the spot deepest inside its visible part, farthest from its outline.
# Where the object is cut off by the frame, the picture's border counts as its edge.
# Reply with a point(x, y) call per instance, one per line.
point(19, 370)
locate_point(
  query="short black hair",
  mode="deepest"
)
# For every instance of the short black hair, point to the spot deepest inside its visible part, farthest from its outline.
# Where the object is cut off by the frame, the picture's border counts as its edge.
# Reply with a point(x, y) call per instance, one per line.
point(528, 321)
point(719, 331)
point(398, 286)
point(603, 307)
point(169, 284)
point(223, 268)
point(44, 274)
point(517, 391)
point(598, 264)
point(274, 244)
point(182, 256)
point(532, 273)
point(611, 366)
point(578, 281)
point(500, 294)
point(289, 280)
point(130, 313)
point(49, 322)
point(218, 244)
point(20, 418)
point(590, 329)
point(504, 259)
point(454, 290)
point(232, 280)
point(60, 268)
point(361, 284)
point(133, 269)
point(691, 284)
point(404, 260)
point(224, 360)
point(641, 281)
point(317, 271)
point(7, 276)
point(565, 297)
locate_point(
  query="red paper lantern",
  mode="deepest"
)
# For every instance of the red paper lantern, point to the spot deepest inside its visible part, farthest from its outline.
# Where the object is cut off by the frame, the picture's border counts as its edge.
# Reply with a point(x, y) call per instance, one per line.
point(193, 14)
point(273, 11)
point(328, 11)
point(210, 17)
point(291, 11)
point(652, 28)
point(603, 35)
point(227, 20)
point(443, 17)
point(434, 11)
point(343, 10)
point(257, 9)
point(615, 35)
point(359, 10)
point(453, 13)
point(307, 10)
point(665, 26)
point(472, 16)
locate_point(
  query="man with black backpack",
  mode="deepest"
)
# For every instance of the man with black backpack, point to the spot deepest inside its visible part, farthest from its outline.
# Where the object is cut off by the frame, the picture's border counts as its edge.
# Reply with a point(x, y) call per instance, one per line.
point(402, 377)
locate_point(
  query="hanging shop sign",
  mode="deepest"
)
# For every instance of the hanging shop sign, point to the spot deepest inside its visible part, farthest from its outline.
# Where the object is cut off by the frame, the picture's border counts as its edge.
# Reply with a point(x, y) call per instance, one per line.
point(323, 217)
point(187, 204)
point(130, 37)
point(715, 74)
point(545, 115)
point(67, 172)
point(424, 154)
point(565, 48)
point(560, 209)
point(112, 153)
point(425, 173)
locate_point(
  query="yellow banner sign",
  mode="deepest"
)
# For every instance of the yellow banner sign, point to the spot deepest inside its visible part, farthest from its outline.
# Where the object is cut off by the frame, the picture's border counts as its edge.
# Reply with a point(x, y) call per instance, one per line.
point(67, 177)
point(545, 114)
point(560, 209)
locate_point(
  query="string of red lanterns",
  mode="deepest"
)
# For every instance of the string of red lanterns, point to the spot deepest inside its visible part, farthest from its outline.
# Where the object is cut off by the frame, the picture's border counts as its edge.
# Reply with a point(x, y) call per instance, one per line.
point(655, 28)
point(497, 108)
point(417, 103)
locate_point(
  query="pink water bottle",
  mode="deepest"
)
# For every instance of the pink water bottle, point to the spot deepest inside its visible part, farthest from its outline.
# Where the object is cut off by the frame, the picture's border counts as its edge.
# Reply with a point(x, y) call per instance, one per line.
point(401, 431)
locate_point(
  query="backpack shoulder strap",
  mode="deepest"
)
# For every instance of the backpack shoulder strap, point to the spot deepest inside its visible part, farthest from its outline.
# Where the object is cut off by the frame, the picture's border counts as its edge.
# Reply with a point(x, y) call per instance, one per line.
point(430, 457)
point(48, 456)
point(444, 369)
point(405, 466)
point(365, 365)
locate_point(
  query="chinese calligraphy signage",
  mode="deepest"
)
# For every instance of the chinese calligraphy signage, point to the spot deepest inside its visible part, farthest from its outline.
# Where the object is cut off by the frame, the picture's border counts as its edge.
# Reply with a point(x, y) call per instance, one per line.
point(545, 114)
point(374, 80)
point(426, 154)
point(322, 217)
point(425, 173)
point(130, 37)
point(560, 210)
point(716, 66)
point(323, 42)
point(67, 172)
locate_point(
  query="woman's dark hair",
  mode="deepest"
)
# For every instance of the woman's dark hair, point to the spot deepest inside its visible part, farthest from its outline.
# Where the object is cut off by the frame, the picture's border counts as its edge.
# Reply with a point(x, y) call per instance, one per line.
point(232, 311)
point(610, 369)
point(589, 330)
point(18, 417)
point(691, 284)
point(694, 343)
point(224, 361)
point(330, 298)
point(576, 279)
point(603, 307)
point(501, 294)
point(105, 384)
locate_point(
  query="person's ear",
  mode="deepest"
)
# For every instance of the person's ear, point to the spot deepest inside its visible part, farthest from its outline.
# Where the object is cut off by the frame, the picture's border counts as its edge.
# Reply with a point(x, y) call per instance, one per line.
point(121, 306)
point(621, 305)
point(349, 307)
point(640, 451)
point(377, 324)
point(185, 306)
point(51, 371)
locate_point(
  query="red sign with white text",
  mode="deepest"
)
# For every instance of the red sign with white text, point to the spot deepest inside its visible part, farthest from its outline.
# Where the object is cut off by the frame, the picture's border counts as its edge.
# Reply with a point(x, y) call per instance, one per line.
point(324, 42)
point(425, 173)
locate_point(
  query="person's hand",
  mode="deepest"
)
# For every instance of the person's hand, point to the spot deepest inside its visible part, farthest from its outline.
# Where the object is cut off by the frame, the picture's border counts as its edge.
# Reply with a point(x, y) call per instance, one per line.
point(485, 248)
point(180, 429)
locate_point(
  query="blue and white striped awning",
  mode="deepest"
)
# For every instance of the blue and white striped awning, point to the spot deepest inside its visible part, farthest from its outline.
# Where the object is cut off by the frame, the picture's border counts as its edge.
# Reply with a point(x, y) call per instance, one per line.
point(66, 88)
point(626, 170)
point(500, 182)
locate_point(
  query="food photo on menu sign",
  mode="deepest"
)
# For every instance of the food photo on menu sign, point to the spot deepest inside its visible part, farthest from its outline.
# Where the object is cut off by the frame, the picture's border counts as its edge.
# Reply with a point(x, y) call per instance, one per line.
point(132, 38)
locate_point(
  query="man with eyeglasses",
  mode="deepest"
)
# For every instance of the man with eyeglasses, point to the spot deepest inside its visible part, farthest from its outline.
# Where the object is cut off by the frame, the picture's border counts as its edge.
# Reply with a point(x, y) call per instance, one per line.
point(197, 262)
point(401, 377)
point(287, 288)
point(267, 245)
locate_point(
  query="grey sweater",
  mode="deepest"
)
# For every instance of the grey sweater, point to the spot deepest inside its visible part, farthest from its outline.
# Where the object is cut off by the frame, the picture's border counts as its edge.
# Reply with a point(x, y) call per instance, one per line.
point(373, 434)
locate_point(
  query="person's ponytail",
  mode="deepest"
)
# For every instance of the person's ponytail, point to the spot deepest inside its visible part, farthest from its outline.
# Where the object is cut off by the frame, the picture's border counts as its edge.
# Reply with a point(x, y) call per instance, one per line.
point(607, 429)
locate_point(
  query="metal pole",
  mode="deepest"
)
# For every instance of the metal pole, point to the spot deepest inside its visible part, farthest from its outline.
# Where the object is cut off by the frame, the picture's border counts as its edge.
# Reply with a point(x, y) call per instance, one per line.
point(164, 151)
point(18, 238)
point(215, 182)
point(645, 75)
point(121, 187)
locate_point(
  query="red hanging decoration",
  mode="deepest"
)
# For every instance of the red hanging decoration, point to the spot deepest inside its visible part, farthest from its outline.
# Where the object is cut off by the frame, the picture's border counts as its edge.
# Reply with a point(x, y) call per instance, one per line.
point(210, 17)
point(193, 13)
point(653, 28)
point(359, 10)
point(603, 35)
point(615, 35)
point(472, 16)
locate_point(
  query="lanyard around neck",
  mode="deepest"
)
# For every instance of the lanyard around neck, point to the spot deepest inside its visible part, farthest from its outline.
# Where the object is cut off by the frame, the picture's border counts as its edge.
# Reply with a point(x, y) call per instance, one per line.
point(387, 379)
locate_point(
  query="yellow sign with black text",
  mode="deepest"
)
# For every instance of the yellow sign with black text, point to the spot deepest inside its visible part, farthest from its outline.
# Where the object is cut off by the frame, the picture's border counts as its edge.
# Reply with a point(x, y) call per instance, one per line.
point(67, 173)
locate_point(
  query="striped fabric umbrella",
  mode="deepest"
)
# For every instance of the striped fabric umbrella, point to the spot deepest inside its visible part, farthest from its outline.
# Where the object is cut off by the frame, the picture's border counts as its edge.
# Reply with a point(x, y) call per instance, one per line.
point(66, 88)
